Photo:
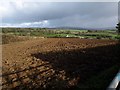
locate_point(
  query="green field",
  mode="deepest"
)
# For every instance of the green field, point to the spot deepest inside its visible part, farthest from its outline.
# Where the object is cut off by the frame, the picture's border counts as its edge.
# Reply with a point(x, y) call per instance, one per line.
point(44, 32)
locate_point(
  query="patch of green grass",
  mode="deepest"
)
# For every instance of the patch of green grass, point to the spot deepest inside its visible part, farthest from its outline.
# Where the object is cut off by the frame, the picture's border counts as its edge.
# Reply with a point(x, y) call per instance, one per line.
point(59, 35)
point(117, 37)
point(44, 32)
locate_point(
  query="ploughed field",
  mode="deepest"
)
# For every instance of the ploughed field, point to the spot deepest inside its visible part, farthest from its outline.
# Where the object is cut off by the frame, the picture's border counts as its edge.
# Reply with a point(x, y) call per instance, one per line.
point(59, 63)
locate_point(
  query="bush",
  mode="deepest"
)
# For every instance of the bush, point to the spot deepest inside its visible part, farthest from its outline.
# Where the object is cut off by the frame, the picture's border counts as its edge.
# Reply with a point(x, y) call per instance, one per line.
point(98, 37)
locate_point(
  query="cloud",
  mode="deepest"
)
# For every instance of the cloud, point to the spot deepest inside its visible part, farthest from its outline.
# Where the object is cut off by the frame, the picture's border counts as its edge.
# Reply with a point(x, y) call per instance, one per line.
point(62, 0)
point(43, 23)
point(78, 21)
point(78, 14)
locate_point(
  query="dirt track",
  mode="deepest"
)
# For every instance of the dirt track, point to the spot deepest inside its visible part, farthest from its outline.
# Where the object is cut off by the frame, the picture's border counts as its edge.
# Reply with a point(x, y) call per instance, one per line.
point(26, 64)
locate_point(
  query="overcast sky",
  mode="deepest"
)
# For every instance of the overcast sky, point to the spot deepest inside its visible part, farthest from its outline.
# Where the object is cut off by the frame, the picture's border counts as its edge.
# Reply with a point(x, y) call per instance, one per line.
point(56, 14)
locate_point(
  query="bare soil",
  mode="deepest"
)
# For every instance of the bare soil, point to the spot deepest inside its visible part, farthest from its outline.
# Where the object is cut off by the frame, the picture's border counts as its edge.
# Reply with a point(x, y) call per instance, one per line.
point(55, 62)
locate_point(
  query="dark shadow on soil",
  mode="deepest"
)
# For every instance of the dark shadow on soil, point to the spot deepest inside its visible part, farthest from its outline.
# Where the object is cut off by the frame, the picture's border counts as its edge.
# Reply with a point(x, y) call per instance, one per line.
point(84, 63)
point(78, 66)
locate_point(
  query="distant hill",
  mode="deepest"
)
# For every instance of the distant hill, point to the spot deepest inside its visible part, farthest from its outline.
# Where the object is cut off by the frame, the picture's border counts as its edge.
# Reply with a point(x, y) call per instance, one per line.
point(80, 28)
point(69, 28)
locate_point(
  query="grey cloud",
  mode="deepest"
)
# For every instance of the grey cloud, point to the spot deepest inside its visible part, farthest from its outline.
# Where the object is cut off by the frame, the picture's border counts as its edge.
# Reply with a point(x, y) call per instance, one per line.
point(65, 13)
point(77, 21)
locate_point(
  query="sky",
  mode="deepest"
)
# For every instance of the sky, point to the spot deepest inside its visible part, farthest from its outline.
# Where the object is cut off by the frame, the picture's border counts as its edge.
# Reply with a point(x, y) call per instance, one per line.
point(59, 14)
